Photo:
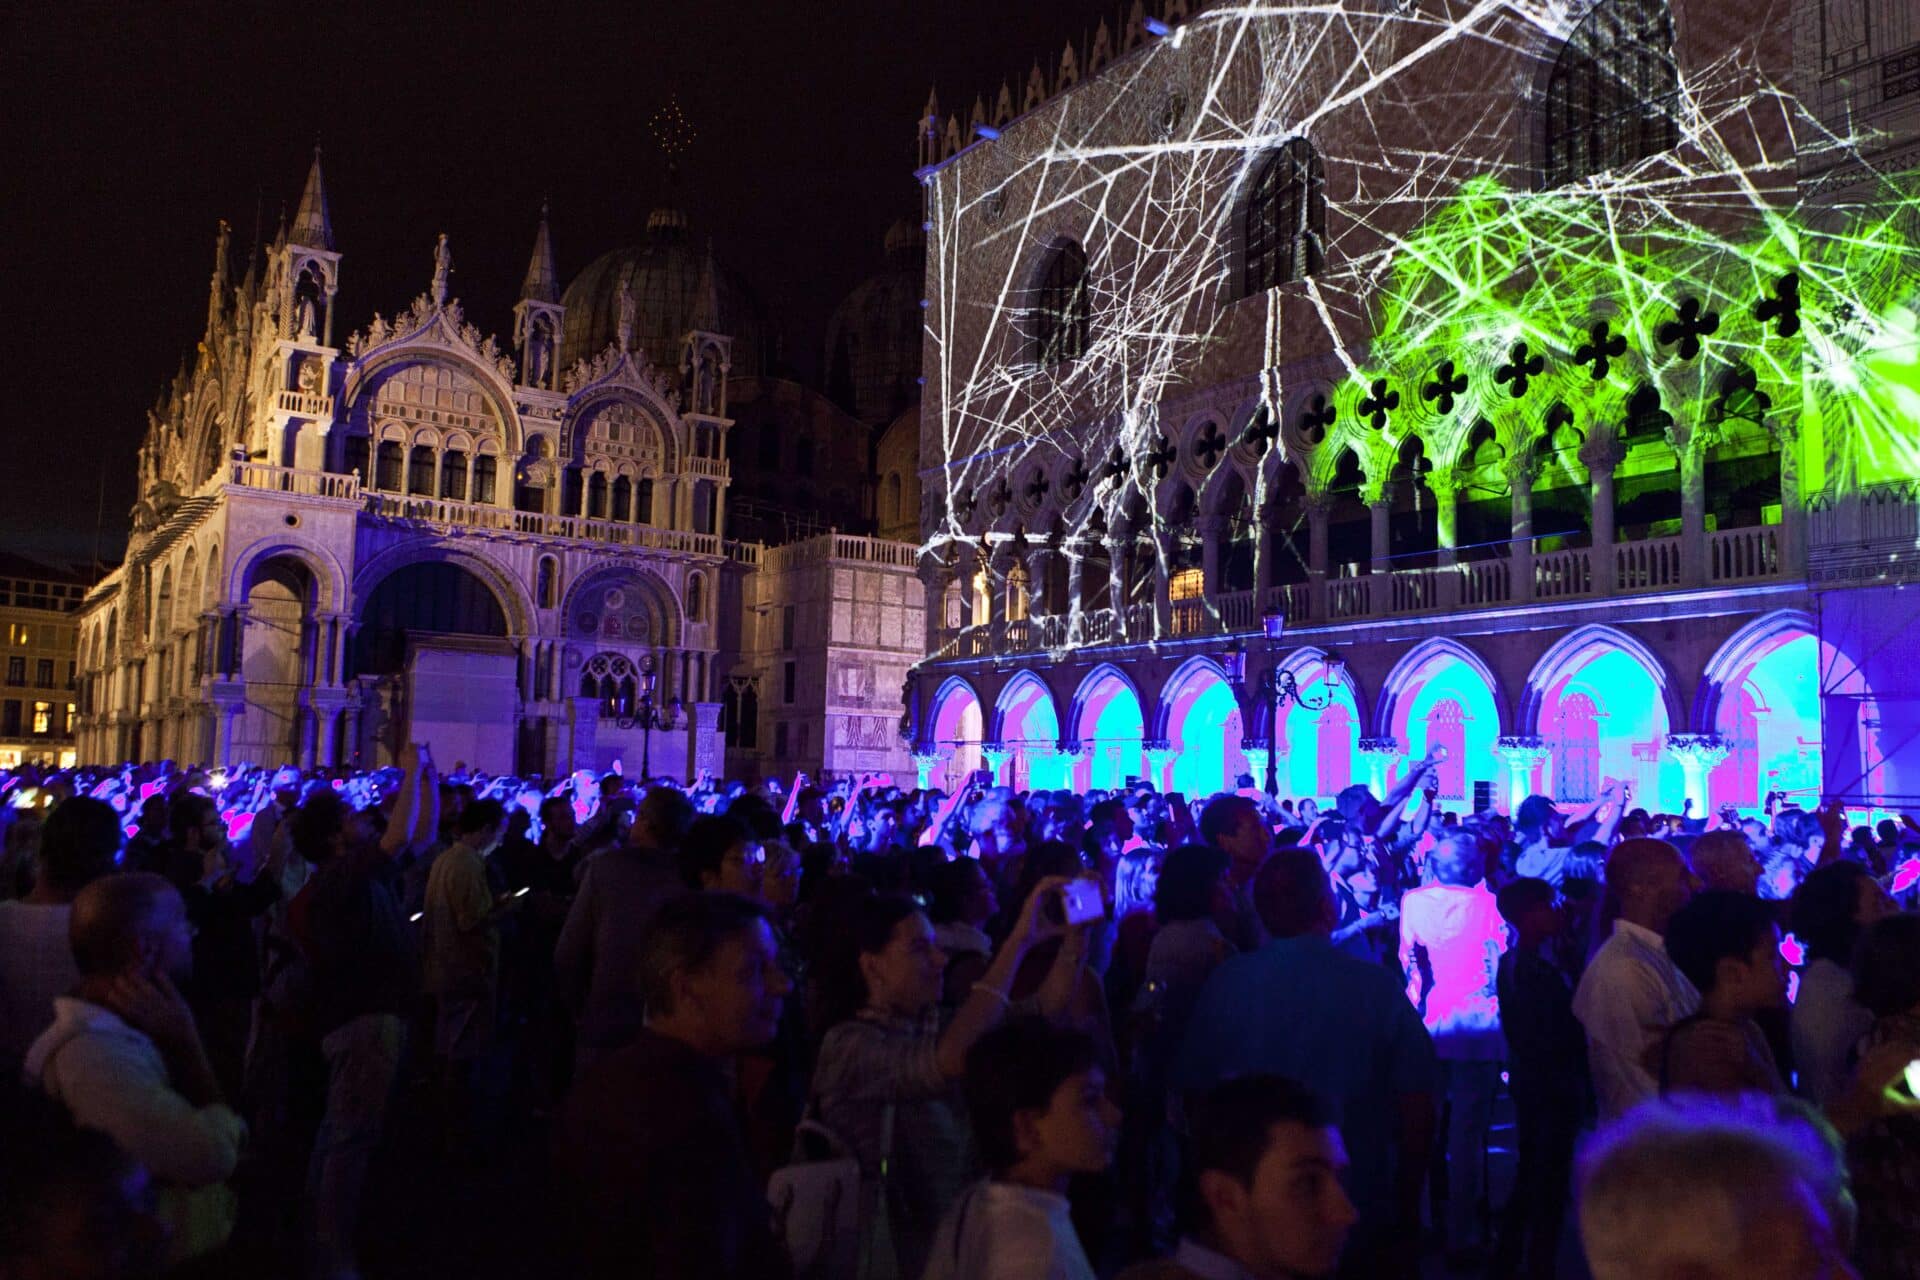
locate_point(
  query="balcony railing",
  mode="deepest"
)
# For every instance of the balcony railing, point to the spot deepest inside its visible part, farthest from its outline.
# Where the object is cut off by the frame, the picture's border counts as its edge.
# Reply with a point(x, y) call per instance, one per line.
point(312, 484)
point(1731, 556)
point(319, 408)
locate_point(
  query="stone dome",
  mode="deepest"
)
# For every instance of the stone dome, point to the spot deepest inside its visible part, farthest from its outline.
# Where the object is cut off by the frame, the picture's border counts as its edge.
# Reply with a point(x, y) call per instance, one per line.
point(676, 286)
point(873, 340)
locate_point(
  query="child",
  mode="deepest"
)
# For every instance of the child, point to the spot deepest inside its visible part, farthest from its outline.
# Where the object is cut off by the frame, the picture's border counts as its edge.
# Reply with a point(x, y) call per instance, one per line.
point(1547, 1076)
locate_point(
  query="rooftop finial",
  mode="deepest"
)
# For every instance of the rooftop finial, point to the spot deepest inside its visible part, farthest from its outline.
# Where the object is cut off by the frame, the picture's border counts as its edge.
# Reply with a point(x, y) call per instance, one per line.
point(543, 282)
point(312, 224)
point(442, 269)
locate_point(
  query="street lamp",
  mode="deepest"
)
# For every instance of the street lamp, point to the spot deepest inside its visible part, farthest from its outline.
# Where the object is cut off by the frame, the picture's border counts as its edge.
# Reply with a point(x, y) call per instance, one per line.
point(1278, 688)
point(649, 718)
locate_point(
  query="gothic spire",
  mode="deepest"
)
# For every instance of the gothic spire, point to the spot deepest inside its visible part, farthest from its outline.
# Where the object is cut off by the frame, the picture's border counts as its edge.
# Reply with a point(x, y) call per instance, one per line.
point(217, 290)
point(706, 299)
point(543, 282)
point(312, 224)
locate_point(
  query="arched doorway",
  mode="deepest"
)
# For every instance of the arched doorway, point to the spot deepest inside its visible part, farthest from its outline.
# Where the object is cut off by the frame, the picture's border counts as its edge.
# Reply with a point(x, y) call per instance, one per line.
point(1108, 723)
point(1031, 730)
point(1204, 727)
point(1441, 695)
point(1600, 706)
point(957, 729)
point(281, 596)
point(1320, 745)
point(1768, 711)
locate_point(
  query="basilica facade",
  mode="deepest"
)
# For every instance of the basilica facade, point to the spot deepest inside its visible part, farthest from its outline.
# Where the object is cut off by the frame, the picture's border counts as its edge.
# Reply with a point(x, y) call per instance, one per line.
point(1312, 387)
point(517, 553)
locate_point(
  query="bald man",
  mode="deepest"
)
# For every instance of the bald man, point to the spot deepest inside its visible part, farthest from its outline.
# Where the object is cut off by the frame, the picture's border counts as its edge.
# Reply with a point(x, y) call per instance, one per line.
point(1631, 992)
point(124, 1057)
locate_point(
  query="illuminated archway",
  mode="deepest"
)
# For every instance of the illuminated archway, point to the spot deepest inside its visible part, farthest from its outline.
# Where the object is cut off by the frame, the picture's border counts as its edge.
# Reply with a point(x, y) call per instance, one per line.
point(1204, 728)
point(1599, 699)
point(1030, 728)
point(957, 725)
point(1761, 693)
point(1107, 721)
point(1442, 694)
point(1320, 746)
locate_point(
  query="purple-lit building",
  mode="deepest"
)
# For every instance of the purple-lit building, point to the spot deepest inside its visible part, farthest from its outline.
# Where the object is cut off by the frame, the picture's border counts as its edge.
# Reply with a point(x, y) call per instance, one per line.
point(1310, 389)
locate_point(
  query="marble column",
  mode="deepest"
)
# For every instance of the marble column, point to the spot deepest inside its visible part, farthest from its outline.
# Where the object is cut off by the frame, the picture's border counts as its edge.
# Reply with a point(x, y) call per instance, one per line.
point(1601, 454)
point(1697, 754)
point(1520, 474)
point(1522, 754)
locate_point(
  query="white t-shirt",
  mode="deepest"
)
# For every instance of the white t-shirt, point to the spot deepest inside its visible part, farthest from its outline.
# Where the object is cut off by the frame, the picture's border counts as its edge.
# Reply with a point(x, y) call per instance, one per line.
point(1004, 1231)
point(1826, 1024)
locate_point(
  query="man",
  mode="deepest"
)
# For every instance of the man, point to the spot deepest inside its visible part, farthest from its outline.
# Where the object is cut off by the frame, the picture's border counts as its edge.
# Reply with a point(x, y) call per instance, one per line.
point(721, 855)
point(123, 1056)
point(597, 959)
point(1267, 1165)
point(1715, 1190)
point(1724, 860)
point(650, 1147)
point(1341, 1027)
point(1232, 824)
point(462, 946)
point(1631, 992)
point(1451, 939)
point(36, 964)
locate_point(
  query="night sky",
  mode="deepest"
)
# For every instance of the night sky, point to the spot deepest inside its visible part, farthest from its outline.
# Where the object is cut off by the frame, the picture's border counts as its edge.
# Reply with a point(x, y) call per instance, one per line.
point(134, 127)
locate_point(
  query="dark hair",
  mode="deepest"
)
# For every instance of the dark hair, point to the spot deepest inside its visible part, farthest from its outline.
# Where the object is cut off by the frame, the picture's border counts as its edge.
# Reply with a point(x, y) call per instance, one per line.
point(1106, 811)
point(1716, 925)
point(863, 927)
point(1018, 1066)
point(949, 885)
point(683, 937)
point(315, 822)
point(666, 812)
point(1188, 876)
point(1518, 897)
point(186, 811)
point(706, 845)
point(1222, 814)
point(78, 843)
point(480, 815)
point(1886, 968)
point(107, 918)
point(1232, 1124)
point(1291, 892)
point(757, 814)
point(1823, 908)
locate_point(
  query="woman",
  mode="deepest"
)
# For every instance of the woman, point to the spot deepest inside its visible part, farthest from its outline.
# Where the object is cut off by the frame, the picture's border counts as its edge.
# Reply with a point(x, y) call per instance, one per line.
point(1885, 1155)
point(1828, 911)
point(885, 1079)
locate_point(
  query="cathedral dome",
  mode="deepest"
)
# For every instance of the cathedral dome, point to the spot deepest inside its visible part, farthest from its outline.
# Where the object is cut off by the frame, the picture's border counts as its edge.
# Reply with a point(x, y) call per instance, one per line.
point(676, 286)
point(873, 339)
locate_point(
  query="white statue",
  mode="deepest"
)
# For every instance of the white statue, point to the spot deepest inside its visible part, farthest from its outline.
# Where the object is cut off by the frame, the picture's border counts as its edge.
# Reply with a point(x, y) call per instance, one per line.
point(442, 268)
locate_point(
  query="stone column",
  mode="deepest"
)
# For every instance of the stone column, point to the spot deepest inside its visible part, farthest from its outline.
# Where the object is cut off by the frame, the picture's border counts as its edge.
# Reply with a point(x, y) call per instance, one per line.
point(1380, 755)
point(1159, 754)
point(1693, 515)
point(1118, 548)
point(1260, 764)
point(1602, 453)
point(1162, 586)
point(1072, 755)
point(1319, 509)
point(997, 758)
point(1076, 582)
point(925, 763)
point(1213, 531)
point(1445, 488)
point(1520, 563)
point(1697, 754)
point(1522, 753)
point(1039, 562)
point(1793, 513)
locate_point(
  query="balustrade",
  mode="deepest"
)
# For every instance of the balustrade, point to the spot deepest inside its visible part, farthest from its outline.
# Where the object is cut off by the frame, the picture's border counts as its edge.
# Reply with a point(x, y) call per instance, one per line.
point(1558, 575)
point(1741, 555)
point(1650, 565)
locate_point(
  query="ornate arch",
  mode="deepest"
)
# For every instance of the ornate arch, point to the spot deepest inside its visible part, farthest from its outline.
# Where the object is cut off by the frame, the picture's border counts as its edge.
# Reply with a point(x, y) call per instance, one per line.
point(949, 688)
point(1022, 679)
point(654, 410)
point(1401, 681)
point(1742, 648)
point(1079, 704)
point(329, 575)
point(657, 597)
point(1160, 719)
point(1306, 664)
point(367, 373)
point(1563, 657)
point(506, 588)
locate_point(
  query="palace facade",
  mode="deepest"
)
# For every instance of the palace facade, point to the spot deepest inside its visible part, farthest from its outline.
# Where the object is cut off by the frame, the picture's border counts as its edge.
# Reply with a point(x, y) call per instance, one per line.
point(519, 553)
point(1309, 387)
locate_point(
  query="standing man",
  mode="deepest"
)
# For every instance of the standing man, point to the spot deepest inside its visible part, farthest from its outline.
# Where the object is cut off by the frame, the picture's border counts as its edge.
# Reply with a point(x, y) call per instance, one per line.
point(463, 955)
point(1631, 992)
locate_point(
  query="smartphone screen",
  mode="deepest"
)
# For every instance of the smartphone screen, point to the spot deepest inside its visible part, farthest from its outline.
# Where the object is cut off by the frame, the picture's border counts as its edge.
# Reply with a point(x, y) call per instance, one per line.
point(1081, 903)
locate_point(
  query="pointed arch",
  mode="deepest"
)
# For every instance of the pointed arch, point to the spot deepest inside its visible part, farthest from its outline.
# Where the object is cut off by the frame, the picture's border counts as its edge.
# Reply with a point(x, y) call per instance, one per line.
point(1201, 718)
point(1567, 654)
point(1107, 718)
point(1742, 650)
point(1403, 682)
point(1020, 697)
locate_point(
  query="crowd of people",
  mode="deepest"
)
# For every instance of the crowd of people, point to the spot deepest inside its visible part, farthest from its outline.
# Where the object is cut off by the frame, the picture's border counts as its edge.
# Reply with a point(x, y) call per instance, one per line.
point(854, 1031)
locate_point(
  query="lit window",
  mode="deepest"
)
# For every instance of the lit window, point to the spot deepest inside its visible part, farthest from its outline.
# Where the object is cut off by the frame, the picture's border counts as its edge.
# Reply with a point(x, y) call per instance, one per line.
point(1186, 584)
point(42, 718)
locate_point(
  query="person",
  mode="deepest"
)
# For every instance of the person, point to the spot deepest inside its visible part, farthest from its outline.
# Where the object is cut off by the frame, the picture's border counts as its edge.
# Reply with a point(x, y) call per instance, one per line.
point(362, 979)
point(1547, 1077)
point(650, 1149)
point(73, 1206)
point(1828, 912)
point(720, 854)
point(1041, 1115)
point(1631, 992)
point(1451, 939)
point(1266, 1163)
point(597, 958)
point(1885, 1153)
point(123, 1055)
point(461, 946)
point(1727, 945)
point(1232, 824)
point(1794, 849)
point(884, 1081)
point(961, 902)
point(1298, 1007)
point(1715, 1189)
point(77, 846)
point(1724, 860)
